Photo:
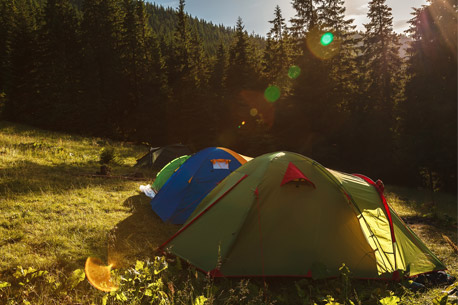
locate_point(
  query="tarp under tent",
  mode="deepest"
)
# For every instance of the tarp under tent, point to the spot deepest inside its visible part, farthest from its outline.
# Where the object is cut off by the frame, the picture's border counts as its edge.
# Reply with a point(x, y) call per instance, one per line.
point(167, 171)
point(158, 157)
point(283, 214)
point(180, 195)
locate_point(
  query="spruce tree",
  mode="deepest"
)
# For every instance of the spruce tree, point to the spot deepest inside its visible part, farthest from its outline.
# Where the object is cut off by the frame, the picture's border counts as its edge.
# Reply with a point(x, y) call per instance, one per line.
point(103, 83)
point(6, 31)
point(188, 79)
point(381, 87)
point(331, 19)
point(60, 66)
point(181, 43)
point(305, 19)
point(278, 53)
point(143, 73)
point(381, 59)
point(429, 113)
point(240, 69)
point(133, 56)
point(218, 72)
point(22, 103)
point(198, 62)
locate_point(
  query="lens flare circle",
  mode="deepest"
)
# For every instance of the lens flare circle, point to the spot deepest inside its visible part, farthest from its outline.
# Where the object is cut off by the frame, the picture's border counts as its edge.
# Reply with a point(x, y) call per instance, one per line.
point(294, 72)
point(326, 39)
point(323, 45)
point(253, 111)
point(272, 94)
point(99, 275)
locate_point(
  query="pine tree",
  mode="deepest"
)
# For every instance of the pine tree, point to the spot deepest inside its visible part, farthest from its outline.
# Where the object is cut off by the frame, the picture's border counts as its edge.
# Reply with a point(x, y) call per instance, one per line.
point(306, 18)
point(278, 53)
point(59, 71)
point(188, 79)
point(380, 88)
point(198, 62)
point(143, 73)
point(381, 59)
point(343, 51)
point(133, 56)
point(6, 28)
point(23, 87)
point(103, 83)
point(218, 74)
point(314, 94)
point(267, 59)
point(240, 69)
point(200, 110)
point(428, 115)
point(181, 45)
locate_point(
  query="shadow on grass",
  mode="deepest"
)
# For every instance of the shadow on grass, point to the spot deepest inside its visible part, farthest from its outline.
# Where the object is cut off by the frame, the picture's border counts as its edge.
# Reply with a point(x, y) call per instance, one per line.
point(432, 228)
point(429, 220)
point(139, 235)
point(423, 201)
point(28, 178)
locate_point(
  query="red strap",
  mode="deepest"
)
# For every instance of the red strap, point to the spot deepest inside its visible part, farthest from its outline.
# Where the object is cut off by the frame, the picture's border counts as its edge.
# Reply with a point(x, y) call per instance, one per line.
point(215, 273)
point(203, 212)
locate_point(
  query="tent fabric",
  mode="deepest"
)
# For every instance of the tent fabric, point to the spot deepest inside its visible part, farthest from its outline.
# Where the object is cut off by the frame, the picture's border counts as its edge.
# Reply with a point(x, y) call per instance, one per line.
point(167, 171)
point(158, 157)
point(250, 225)
point(182, 193)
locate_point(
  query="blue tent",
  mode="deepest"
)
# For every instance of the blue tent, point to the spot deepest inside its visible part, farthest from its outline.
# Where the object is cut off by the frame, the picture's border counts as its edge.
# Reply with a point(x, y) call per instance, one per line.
point(184, 190)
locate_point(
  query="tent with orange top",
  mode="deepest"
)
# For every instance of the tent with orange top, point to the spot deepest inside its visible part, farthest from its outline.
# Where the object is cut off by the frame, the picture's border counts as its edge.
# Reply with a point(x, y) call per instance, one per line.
point(184, 190)
point(283, 214)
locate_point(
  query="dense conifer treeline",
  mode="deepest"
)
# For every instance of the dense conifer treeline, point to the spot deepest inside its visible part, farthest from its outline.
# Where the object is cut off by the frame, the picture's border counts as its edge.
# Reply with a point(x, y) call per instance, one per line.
point(133, 70)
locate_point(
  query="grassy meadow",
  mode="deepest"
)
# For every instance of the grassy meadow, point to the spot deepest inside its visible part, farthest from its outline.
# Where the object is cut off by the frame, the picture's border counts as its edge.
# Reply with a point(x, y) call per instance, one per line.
point(54, 214)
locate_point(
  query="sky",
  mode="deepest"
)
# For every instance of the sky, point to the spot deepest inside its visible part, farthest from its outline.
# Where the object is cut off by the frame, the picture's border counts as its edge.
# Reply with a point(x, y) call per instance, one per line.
point(256, 14)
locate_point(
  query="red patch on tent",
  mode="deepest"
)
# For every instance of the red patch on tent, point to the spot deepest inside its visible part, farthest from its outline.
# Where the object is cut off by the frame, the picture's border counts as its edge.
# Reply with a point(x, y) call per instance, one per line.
point(215, 273)
point(294, 174)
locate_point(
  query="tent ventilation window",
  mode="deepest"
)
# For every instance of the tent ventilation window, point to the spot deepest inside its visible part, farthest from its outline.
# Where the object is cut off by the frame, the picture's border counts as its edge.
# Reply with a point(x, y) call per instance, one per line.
point(220, 163)
point(294, 175)
point(300, 181)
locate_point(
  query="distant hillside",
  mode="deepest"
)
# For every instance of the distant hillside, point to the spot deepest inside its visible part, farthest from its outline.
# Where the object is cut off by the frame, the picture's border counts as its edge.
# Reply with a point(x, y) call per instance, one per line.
point(405, 43)
point(164, 20)
point(403, 40)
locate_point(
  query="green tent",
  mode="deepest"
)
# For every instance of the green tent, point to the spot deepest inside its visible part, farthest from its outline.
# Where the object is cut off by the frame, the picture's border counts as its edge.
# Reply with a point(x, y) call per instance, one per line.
point(167, 171)
point(282, 214)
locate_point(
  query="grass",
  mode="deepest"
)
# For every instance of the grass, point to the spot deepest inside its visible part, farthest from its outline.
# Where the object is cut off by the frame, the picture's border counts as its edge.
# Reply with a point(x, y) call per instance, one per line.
point(54, 215)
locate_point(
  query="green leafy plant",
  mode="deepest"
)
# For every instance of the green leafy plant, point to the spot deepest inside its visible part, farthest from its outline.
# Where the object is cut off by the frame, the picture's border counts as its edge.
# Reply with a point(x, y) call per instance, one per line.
point(390, 300)
point(331, 301)
point(4, 284)
point(28, 275)
point(76, 277)
point(107, 155)
point(441, 300)
point(141, 283)
point(346, 284)
point(200, 300)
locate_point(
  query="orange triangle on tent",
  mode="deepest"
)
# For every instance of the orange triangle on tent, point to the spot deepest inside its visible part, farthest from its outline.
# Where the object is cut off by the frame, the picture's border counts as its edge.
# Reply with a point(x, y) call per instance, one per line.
point(294, 174)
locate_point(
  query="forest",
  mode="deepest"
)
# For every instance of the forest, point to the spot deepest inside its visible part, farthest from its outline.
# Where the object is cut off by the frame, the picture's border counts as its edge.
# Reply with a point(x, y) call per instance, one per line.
point(135, 71)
